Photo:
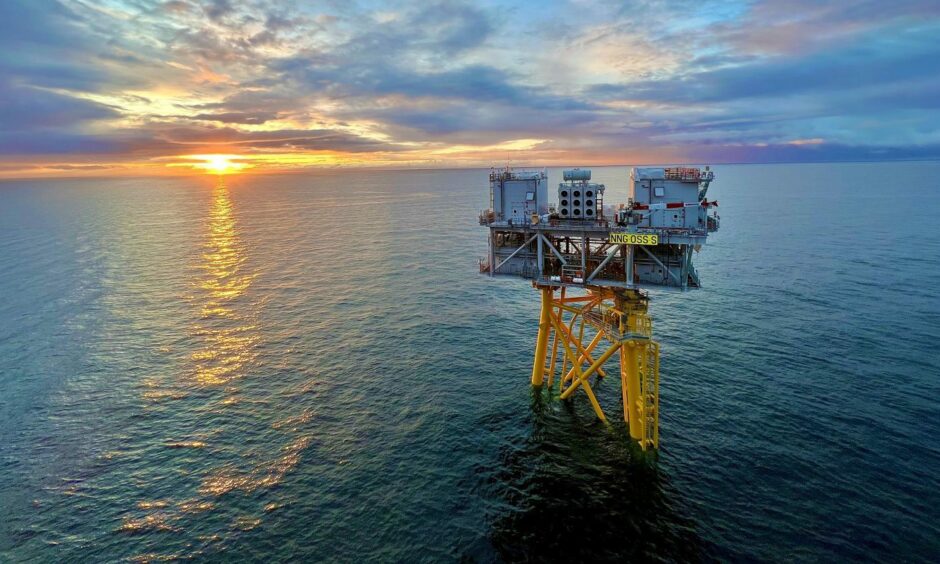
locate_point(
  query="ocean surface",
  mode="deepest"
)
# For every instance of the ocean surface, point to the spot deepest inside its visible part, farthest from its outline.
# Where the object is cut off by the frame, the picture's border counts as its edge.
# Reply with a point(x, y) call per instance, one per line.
point(265, 368)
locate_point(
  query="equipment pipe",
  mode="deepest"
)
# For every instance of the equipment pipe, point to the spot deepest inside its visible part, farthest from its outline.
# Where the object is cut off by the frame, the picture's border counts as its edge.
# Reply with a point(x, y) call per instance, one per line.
point(684, 272)
point(540, 254)
point(628, 263)
point(623, 383)
point(584, 251)
point(492, 253)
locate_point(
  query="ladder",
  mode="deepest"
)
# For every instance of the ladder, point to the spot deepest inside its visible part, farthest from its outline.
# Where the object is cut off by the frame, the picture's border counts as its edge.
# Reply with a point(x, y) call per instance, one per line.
point(649, 394)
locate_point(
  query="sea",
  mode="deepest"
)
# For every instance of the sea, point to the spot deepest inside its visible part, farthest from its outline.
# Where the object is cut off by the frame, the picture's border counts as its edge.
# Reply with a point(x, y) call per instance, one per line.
point(309, 367)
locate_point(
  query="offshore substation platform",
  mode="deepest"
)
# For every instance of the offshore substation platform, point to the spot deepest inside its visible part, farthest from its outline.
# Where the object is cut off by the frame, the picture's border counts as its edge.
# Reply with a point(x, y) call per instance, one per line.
point(590, 260)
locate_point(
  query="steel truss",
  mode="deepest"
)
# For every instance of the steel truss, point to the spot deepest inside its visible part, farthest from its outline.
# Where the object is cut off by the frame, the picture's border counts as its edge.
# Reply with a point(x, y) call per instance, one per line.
point(619, 321)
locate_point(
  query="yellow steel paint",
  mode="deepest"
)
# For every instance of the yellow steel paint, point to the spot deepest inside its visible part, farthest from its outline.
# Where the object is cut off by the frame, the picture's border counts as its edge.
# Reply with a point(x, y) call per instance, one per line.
point(541, 343)
point(626, 327)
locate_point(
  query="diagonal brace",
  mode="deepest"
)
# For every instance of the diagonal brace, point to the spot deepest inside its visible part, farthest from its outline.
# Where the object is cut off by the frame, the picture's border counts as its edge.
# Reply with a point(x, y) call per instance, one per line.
point(582, 378)
point(587, 387)
point(610, 255)
point(514, 253)
point(585, 353)
point(548, 244)
point(660, 263)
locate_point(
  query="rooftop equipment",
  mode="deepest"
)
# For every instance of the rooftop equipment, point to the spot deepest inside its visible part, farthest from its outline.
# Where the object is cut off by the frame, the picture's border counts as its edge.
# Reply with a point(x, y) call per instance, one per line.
point(576, 174)
point(579, 199)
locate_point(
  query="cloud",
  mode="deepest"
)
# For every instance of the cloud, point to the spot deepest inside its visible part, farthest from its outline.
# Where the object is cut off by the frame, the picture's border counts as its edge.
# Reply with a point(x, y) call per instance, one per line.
point(218, 9)
point(28, 108)
point(236, 140)
point(677, 79)
point(43, 142)
point(451, 26)
point(807, 26)
point(876, 61)
point(252, 118)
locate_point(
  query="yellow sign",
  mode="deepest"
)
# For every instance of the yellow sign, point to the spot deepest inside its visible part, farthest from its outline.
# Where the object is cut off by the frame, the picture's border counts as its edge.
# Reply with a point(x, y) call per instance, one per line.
point(634, 239)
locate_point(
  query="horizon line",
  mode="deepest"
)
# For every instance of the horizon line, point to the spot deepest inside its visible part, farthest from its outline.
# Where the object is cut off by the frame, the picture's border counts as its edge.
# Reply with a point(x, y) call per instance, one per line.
point(315, 169)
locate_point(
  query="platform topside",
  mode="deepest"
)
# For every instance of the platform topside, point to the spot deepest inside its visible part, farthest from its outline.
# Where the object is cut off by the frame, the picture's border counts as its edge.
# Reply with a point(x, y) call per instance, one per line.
point(648, 241)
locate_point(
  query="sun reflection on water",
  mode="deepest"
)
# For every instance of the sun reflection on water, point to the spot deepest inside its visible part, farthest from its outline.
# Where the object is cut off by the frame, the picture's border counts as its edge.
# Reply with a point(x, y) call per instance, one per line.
point(228, 335)
point(225, 335)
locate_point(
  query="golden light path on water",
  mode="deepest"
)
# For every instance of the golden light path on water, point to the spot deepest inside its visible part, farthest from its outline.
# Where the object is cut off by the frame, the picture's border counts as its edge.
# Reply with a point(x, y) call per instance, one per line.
point(226, 335)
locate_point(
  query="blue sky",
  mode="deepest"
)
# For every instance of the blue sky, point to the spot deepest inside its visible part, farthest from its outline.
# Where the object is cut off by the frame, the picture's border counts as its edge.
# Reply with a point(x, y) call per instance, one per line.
point(141, 87)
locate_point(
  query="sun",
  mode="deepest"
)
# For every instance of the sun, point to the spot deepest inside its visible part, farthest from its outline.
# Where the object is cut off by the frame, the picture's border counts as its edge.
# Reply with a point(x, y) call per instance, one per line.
point(219, 164)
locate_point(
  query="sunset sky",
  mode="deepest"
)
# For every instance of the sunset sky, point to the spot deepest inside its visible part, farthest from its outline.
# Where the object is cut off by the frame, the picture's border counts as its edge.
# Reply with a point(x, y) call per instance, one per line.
point(140, 87)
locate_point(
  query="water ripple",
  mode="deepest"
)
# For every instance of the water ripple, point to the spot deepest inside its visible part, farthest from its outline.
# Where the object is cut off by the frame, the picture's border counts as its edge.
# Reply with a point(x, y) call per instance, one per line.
point(308, 368)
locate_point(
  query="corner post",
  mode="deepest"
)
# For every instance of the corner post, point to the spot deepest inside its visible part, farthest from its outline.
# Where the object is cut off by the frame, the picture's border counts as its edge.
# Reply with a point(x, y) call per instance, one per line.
point(541, 343)
point(631, 374)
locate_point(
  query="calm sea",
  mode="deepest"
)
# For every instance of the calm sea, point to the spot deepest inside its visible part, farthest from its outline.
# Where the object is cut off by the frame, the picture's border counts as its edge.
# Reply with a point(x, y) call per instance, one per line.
point(310, 367)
